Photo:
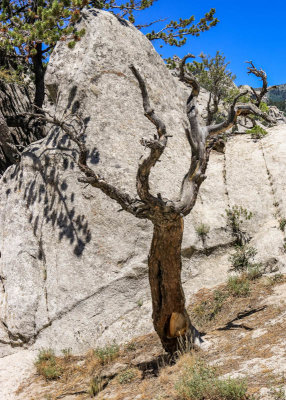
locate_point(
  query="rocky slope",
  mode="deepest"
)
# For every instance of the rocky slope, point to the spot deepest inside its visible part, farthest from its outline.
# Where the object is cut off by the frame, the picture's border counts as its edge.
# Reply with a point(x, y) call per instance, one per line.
point(73, 270)
point(277, 97)
point(244, 337)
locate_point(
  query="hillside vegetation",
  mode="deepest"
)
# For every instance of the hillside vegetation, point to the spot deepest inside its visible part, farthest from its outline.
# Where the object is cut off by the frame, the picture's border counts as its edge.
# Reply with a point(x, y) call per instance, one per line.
point(277, 97)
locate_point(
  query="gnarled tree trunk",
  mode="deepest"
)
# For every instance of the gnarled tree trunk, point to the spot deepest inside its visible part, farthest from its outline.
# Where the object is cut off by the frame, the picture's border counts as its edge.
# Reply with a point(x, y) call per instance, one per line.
point(170, 317)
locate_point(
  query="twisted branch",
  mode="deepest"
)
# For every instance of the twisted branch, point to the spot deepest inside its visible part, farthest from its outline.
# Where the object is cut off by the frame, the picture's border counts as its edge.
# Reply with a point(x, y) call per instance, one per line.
point(240, 109)
point(156, 146)
point(197, 139)
point(263, 76)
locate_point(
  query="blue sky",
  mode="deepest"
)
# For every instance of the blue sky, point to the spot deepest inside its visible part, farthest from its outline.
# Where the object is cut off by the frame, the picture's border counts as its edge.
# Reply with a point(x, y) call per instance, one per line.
point(248, 30)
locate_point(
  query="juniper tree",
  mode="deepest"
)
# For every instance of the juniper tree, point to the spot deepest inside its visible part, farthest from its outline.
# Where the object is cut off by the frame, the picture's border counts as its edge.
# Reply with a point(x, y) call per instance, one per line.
point(170, 317)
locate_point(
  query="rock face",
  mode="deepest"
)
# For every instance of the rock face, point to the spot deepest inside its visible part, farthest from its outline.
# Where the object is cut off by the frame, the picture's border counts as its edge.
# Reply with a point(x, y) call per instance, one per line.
point(277, 96)
point(17, 130)
point(14, 99)
point(274, 112)
point(73, 270)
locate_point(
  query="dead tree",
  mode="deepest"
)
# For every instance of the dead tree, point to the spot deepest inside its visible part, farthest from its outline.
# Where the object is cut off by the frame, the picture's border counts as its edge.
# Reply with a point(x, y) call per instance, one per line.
point(170, 317)
point(259, 94)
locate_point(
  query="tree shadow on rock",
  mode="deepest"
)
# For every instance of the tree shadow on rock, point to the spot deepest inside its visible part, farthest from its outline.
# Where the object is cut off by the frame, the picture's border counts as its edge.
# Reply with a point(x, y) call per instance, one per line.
point(47, 194)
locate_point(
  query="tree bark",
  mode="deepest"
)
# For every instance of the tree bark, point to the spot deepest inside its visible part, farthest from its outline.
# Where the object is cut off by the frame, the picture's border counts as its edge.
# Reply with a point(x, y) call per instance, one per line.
point(39, 71)
point(170, 317)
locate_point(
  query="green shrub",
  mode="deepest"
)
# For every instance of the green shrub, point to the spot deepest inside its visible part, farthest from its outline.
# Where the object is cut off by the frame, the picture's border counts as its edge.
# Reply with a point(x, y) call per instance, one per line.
point(264, 107)
point(232, 389)
point(107, 353)
point(140, 303)
point(236, 215)
point(232, 93)
point(126, 376)
point(257, 132)
point(244, 99)
point(254, 272)
point(67, 353)
point(47, 366)
point(11, 76)
point(282, 224)
point(200, 382)
point(238, 286)
point(240, 260)
point(218, 118)
point(202, 230)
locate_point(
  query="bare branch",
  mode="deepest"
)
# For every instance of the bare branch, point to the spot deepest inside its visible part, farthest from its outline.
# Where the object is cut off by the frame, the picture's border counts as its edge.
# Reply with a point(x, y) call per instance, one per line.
point(150, 24)
point(255, 93)
point(156, 146)
point(197, 138)
point(187, 77)
point(241, 109)
point(192, 111)
point(261, 75)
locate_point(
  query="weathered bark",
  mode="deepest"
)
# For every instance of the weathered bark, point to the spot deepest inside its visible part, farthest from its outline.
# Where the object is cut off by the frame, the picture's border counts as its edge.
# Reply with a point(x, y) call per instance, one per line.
point(170, 317)
point(39, 71)
point(240, 109)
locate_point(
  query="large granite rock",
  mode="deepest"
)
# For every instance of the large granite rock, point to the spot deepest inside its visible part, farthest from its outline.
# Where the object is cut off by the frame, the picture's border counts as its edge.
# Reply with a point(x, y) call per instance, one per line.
point(73, 270)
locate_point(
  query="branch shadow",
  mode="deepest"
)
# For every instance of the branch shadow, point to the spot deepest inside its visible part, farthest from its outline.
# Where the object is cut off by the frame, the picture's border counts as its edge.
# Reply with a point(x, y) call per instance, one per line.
point(47, 194)
point(230, 324)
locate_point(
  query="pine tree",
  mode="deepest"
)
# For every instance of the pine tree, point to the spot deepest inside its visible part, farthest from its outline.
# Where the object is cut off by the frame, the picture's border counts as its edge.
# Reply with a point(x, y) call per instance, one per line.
point(30, 29)
point(213, 75)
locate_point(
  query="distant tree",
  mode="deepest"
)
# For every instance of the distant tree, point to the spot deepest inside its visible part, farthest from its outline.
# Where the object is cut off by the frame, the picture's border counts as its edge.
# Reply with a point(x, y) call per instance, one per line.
point(259, 93)
point(213, 75)
point(170, 317)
